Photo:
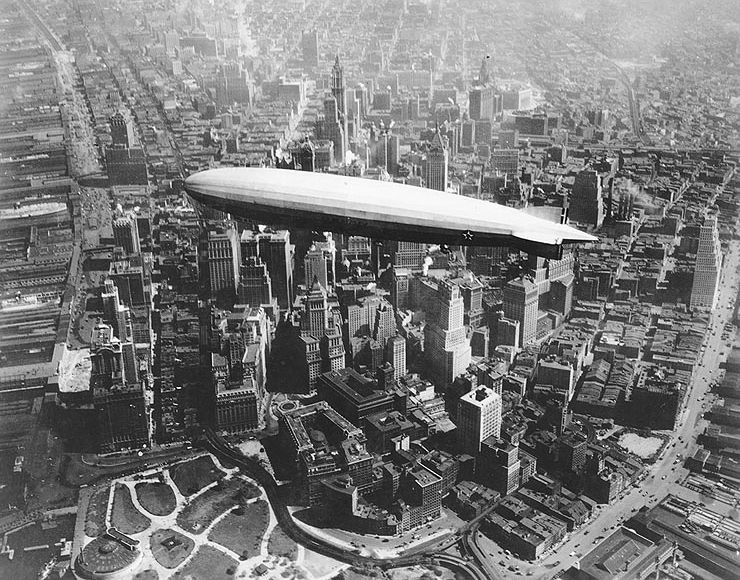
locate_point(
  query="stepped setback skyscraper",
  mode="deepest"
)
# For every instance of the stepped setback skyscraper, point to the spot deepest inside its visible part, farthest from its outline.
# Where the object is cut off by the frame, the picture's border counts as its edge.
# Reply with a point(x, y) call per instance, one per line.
point(708, 266)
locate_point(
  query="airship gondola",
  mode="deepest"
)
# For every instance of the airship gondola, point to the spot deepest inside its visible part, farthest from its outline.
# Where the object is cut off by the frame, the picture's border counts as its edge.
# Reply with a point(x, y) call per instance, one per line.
point(377, 209)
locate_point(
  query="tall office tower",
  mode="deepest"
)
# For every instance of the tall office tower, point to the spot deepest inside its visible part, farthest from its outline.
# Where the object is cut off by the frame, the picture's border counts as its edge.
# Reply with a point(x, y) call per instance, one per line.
point(436, 176)
point(126, 233)
point(310, 48)
point(119, 399)
point(239, 376)
point(500, 465)
point(304, 155)
point(231, 84)
point(332, 350)
point(275, 249)
point(586, 203)
point(339, 94)
point(129, 277)
point(384, 326)
point(361, 315)
point(445, 343)
point(172, 42)
point(223, 252)
point(467, 133)
point(395, 354)
point(505, 161)
point(481, 99)
point(516, 99)
point(408, 255)
point(478, 417)
point(118, 317)
point(337, 86)
point(572, 452)
point(330, 128)
point(400, 288)
point(537, 271)
point(521, 304)
point(315, 320)
point(320, 263)
point(255, 286)
point(121, 130)
point(126, 165)
point(113, 310)
point(393, 155)
point(310, 351)
point(237, 406)
point(708, 266)
point(483, 132)
point(562, 282)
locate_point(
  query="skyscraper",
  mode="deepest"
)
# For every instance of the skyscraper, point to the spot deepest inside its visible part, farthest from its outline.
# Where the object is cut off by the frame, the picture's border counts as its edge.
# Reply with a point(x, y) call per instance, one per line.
point(436, 174)
point(118, 318)
point(505, 161)
point(121, 130)
point(395, 354)
point(320, 263)
point(255, 286)
point(223, 258)
point(126, 233)
point(340, 96)
point(331, 128)
point(310, 48)
point(400, 288)
point(481, 101)
point(408, 255)
point(586, 203)
point(118, 397)
point(315, 321)
point(708, 266)
point(445, 342)
point(332, 350)
point(384, 326)
point(275, 249)
point(521, 303)
point(478, 417)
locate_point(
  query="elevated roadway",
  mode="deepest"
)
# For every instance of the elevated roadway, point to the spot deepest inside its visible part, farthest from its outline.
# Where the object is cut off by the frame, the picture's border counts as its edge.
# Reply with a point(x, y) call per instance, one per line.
point(256, 471)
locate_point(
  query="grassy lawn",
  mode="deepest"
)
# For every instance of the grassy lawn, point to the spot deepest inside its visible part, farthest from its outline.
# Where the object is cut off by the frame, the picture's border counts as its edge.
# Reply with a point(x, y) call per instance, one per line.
point(208, 563)
point(125, 517)
point(156, 498)
point(192, 476)
point(96, 509)
point(170, 548)
point(242, 530)
point(279, 544)
point(207, 507)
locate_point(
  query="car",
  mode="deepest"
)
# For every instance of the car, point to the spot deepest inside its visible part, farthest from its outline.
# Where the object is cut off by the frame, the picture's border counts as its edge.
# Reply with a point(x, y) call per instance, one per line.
point(662, 477)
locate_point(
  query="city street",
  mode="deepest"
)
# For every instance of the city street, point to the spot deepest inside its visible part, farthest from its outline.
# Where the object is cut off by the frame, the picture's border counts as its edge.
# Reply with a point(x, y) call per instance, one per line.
point(665, 475)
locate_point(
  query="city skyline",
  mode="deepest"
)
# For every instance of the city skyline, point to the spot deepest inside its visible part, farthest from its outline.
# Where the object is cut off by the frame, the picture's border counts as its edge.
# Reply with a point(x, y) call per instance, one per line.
point(403, 288)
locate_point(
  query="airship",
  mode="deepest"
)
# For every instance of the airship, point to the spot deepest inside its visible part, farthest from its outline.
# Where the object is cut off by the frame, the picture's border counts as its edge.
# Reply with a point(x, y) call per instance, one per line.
point(377, 209)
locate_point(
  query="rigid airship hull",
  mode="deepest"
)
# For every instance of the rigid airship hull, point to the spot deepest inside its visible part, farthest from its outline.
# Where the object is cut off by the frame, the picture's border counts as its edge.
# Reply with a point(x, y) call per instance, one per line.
point(377, 209)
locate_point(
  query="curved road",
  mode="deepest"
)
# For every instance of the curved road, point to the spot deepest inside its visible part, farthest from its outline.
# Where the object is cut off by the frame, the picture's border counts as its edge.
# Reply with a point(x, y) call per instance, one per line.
point(256, 471)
